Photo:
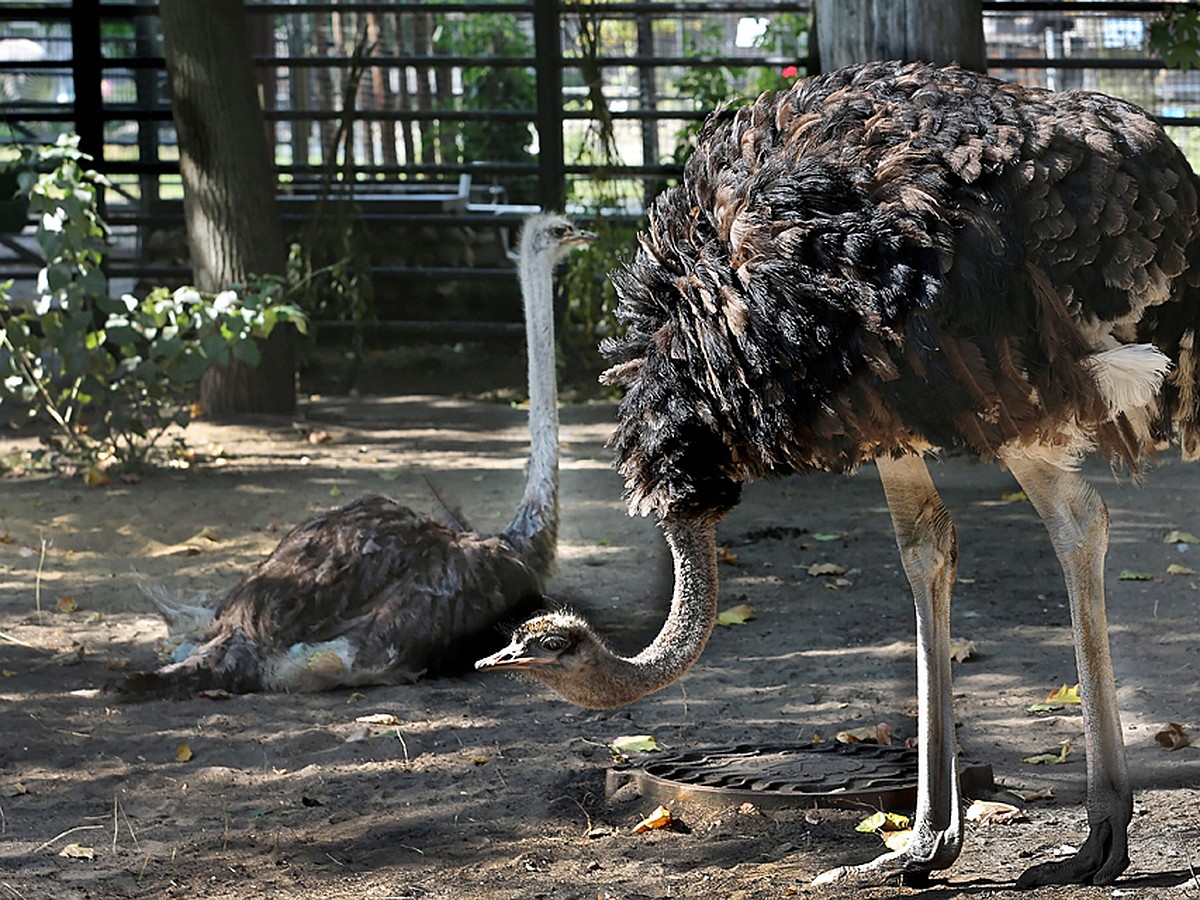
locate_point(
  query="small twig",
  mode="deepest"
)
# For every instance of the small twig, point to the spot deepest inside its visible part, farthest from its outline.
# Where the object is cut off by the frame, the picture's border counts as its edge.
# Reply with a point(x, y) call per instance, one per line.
point(335, 860)
point(5, 636)
point(59, 837)
point(12, 891)
point(403, 744)
point(37, 581)
point(114, 841)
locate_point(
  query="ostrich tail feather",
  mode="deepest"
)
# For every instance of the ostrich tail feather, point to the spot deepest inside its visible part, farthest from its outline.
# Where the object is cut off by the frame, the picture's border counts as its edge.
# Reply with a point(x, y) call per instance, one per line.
point(184, 615)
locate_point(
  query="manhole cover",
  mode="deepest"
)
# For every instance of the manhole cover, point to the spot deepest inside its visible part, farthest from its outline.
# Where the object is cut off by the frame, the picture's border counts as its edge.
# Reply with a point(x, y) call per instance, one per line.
point(849, 776)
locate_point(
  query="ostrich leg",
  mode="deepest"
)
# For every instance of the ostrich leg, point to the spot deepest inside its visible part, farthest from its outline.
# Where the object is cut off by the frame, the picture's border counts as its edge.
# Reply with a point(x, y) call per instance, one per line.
point(929, 553)
point(1077, 519)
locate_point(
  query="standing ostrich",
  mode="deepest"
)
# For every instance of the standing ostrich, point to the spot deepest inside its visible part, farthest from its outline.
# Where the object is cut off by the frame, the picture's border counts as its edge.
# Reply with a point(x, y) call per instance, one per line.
point(375, 593)
point(879, 262)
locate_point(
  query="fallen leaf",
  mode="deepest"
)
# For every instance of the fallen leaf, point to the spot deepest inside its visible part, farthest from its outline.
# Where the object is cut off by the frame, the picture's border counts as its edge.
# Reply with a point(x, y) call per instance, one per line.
point(96, 477)
point(335, 491)
point(735, 615)
point(961, 650)
point(634, 743)
point(660, 818)
point(883, 821)
point(1177, 569)
point(389, 476)
point(992, 812)
point(1173, 736)
point(66, 603)
point(358, 734)
point(1031, 796)
point(826, 536)
point(75, 851)
point(896, 840)
point(1065, 694)
point(818, 569)
point(1181, 537)
point(6, 538)
point(1013, 497)
point(1131, 575)
point(320, 436)
point(7, 673)
point(727, 557)
point(377, 719)
point(1049, 759)
point(868, 734)
point(183, 753)
point(13, 789)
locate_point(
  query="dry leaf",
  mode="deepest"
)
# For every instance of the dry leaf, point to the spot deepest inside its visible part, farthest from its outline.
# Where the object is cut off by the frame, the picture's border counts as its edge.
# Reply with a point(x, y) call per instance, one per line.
point(320, 436)
point(66, 603)
point(6, 538)
point(75, 851)
point(896, 840)
point(868, 734)
point(1131, 575)
point(1031, 796)
point(358, 734)
point(207, 533)
point(1173, 736)
point(1049, 759)
point(961, 650)
point(183, 753)
point(1177, 569)
point(96, 477)
point(735, 615)
point(1065, 694)
point(13, 789)
point(991, 812)
point(818, 569)
point(377, 719)
point(1181, 537)
point(634, 743)
point(727, 556)
point(883, 821)
point(660, 818)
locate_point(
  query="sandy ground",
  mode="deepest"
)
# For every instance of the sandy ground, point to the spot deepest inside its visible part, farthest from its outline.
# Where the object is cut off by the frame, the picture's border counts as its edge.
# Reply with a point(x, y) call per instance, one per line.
point(490, 787)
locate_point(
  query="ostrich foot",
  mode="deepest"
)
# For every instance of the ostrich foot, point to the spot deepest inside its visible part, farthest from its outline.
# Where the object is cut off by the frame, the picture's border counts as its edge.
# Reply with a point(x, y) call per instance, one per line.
point(925, 853)
point(1103, 856)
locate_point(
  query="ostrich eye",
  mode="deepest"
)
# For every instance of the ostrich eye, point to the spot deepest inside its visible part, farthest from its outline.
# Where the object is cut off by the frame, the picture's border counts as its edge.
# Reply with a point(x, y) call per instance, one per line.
point(559, 231)
point(554, 643)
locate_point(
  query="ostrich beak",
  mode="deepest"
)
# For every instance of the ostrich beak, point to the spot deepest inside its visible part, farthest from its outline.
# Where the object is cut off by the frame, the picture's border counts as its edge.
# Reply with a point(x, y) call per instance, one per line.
point(579, 236)
point(513, 656)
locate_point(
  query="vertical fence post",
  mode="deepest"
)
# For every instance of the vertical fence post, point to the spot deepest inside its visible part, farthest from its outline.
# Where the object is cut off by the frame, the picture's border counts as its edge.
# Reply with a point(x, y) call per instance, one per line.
point(548, 58)
point(86, 73)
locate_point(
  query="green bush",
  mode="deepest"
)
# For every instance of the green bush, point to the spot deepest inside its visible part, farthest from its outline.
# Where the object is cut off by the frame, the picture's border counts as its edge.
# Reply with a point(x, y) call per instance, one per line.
point(109, 376)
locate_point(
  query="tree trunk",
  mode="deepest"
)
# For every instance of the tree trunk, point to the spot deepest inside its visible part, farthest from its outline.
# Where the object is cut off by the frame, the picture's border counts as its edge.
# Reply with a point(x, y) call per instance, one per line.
point(229, 186)
point(937, 31)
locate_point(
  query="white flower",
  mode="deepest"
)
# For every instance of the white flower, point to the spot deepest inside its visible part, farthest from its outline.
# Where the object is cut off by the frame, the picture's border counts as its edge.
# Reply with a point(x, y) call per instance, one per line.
point(53, 221)
point(225, 301)
point(130, 301)
point(188, 296)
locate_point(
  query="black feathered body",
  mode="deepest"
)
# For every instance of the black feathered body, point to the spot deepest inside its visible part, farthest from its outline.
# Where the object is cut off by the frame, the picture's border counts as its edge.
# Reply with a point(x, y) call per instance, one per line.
point(891, 258)
point(368, 593)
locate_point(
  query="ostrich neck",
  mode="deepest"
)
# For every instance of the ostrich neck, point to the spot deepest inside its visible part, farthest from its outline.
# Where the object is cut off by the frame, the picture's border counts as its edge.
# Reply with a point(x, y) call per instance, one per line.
point(684, 633)
point(534, 526)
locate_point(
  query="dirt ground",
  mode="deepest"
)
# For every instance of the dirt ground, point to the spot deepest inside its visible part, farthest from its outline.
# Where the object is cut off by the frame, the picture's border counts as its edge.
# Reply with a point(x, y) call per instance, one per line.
point(492, 788)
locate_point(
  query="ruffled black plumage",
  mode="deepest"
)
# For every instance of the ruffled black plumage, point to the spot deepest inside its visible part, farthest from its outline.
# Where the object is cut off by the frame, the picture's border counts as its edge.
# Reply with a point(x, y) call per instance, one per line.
point(892, 257)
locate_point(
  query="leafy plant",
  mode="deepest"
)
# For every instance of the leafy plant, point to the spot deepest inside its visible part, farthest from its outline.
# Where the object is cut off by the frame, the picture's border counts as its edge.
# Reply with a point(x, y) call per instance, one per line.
point(111, 375)
point(1175, 38)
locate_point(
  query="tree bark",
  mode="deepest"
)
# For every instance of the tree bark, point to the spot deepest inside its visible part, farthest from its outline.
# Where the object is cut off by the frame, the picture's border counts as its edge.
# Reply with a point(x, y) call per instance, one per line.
point(229, 187)
point(936, 31)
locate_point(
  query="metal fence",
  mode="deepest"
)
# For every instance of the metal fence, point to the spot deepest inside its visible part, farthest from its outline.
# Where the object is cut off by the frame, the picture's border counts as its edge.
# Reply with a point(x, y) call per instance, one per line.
point(446, 121)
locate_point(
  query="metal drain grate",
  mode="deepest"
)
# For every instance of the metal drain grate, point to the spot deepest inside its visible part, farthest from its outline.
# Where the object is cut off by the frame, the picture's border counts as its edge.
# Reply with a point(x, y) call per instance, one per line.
point(849, 776)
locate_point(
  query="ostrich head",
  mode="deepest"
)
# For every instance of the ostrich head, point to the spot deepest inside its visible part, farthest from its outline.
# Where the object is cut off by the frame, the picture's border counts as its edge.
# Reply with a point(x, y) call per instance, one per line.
point(549, 237)
point(560, 650)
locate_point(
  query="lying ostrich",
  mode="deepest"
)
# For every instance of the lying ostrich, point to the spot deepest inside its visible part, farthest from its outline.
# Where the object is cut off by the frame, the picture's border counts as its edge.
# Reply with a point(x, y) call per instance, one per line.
point(879, 262)
point(374, 592)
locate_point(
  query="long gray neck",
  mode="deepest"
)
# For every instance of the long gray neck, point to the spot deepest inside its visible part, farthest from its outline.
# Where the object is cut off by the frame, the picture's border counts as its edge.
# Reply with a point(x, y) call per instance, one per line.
point(685, 632)
point(534, 527)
